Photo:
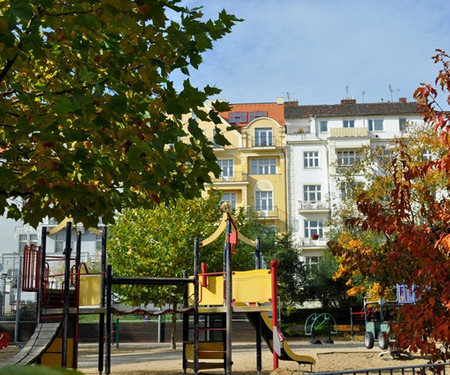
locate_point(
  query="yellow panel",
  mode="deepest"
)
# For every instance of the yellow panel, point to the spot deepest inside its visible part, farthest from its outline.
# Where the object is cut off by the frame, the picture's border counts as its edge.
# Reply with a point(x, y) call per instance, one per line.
point(90, 290)
point(248, 287)
point(212, 295)
point(206, 350)
point(53, 355)
point(252, 286)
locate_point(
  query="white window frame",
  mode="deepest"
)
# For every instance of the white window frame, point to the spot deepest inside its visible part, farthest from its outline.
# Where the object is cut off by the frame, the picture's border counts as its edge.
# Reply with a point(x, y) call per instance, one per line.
point(263, 137)
point(311, 159)
point(264, 200)
point(27, 239)
point(313, 227)
point(347, 157)
point(60, 241)
point(323, 126)
point(229, 197)
point(312, 193)
point(376, 125)
point(261, 166)
point(227, 167)
point(348, 123)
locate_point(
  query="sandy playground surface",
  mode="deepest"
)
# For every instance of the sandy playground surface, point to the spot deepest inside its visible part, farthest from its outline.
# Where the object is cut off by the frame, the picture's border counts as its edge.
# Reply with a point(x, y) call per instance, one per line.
point(155, 359)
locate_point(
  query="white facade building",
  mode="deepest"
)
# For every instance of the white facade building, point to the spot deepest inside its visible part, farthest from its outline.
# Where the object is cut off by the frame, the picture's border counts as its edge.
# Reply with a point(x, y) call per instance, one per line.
point(318, 138)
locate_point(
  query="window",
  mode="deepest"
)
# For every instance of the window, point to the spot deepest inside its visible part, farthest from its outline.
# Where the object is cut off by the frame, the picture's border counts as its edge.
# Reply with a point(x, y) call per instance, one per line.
point(98, 242)
point(376, 125)
point(346, 157)
point(311, 159)
point(323, 125)
point(60, 241)
point(349, 123)
point(227, 166)
point(312, 260)
point(263, 137)
point(27, 239)
point(347, 190)
point(229, 198)
point(402, 124)
point(256, 114)
point(313, 227)
point(264, 201)
point(237, 117)
point(312, 193)
point(263, 166)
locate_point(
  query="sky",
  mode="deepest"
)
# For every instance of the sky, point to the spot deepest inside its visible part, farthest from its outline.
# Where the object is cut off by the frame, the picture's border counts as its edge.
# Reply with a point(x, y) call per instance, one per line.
point(321, 51)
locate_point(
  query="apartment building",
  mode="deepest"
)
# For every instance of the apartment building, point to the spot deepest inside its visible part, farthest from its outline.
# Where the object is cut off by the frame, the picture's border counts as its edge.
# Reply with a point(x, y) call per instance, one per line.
point(253, 165)
point(318, 139)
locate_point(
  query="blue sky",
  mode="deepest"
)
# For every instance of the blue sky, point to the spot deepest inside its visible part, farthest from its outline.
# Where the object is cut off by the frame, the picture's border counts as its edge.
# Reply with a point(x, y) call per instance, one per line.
point(320, 51)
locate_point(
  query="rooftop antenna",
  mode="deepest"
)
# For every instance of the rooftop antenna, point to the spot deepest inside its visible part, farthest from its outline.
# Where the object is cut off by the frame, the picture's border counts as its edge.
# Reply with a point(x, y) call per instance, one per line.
point(346, 91)
point(363, 94)
point(392, 90)
point(288, 95)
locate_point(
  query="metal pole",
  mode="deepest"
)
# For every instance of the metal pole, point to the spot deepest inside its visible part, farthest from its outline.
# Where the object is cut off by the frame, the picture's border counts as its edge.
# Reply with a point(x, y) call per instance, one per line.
point(18, 296)
point(258, 265)
point(258, 260)
point(273, 267)
point(101, 324)
point(351, 323)
point(108, 320)
point(228, 294)
point(196, 298)
point(40, 295)
point(66, 294)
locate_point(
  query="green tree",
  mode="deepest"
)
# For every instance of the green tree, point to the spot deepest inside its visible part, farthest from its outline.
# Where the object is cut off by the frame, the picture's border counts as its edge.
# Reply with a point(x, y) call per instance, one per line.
point(320, 284)
point(408, 230)
point(160, 243)
point(88, 106)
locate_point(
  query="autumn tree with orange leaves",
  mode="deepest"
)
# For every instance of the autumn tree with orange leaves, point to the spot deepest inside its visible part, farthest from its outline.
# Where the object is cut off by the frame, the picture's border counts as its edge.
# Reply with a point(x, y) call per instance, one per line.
point(405, 237)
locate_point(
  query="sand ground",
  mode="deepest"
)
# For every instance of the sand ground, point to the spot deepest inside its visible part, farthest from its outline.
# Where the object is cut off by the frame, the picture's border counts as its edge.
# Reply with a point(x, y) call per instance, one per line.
point(155, 359)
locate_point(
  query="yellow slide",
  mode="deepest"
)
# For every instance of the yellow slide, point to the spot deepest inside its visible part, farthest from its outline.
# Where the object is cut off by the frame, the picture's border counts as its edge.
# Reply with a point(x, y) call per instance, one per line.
point(286, 352)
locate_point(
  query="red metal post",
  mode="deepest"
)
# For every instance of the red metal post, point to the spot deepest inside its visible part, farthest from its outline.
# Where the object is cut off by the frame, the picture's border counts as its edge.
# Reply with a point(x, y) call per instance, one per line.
point(273, 266)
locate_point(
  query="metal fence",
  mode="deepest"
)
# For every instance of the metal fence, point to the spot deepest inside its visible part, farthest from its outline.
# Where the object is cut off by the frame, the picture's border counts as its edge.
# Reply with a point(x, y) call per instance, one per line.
point(436, 368)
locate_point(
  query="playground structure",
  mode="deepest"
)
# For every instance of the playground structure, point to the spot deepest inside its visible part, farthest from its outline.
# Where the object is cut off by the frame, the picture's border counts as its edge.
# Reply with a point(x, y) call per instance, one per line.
point(210, 299)
point(55, 340)
point(318, 320)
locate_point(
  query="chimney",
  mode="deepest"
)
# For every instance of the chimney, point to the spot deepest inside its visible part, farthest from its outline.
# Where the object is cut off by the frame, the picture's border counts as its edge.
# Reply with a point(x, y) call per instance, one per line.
point(348, 101)
point(402, 100)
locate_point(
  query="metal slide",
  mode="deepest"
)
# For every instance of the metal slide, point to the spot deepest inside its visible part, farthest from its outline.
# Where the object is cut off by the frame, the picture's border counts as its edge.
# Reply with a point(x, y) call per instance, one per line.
point(39, 342)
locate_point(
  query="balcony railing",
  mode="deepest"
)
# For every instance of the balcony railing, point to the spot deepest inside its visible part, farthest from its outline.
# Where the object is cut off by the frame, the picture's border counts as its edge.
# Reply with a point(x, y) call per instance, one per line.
point(313, 206)
point(349, 132)
point(237, 177)
point(266, 142)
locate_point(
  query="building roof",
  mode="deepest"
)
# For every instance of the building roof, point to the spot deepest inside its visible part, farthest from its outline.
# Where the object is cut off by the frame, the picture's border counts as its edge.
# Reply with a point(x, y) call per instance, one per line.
point(349, 108)
point(274, 110)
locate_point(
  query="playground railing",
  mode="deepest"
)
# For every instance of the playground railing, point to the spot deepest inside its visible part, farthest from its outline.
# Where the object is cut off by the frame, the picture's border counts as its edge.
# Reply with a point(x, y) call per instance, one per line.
point(435, 368)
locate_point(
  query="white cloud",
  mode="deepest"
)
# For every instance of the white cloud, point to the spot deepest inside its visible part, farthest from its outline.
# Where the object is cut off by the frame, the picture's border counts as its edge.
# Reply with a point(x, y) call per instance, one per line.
point(314, 49)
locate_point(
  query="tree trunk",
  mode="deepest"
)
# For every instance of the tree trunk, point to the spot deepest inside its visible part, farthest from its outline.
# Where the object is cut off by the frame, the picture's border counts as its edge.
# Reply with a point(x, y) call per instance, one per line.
point(173, 344)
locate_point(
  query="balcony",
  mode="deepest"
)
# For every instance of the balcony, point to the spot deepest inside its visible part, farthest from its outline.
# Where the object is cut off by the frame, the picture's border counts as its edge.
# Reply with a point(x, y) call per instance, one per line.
point(267, 214)
point(308, 242)
point(349, 132)
point(238, 177)
point(313, 206)
point(266, 142)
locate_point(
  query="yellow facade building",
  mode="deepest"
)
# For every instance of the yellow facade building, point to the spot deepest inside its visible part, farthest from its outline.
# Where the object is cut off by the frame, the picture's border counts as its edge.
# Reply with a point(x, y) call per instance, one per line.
point(254, 163)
